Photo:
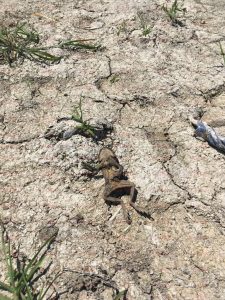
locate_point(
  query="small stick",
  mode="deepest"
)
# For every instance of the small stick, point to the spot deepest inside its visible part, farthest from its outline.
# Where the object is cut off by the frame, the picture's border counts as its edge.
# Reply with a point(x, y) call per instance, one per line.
point(115, 214)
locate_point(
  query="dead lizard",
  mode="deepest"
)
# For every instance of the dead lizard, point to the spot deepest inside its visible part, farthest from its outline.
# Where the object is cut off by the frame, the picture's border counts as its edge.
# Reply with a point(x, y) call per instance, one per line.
point(115, 183)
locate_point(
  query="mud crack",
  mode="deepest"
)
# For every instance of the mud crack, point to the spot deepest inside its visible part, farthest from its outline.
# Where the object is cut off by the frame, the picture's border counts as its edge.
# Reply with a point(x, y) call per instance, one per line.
point(20, 141)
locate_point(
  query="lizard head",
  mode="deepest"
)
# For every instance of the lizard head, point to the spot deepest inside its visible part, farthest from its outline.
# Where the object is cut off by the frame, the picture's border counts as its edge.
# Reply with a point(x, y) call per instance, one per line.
point(105, 154)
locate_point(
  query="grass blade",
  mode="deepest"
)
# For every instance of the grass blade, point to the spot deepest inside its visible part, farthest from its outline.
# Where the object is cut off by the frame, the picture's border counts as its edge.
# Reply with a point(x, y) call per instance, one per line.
point(80, 109)
point(78, 44)
point(8, 259)
point(29, 292)
point(10, 269)
point(35, 267)
point(90, 131)
point(222, 52)
point(76, 118)
point(34, 258)
point(78, 113)
point(5, 287)
point(41, 296)
point(121, 295)
point(39, 54)
point(31, 36)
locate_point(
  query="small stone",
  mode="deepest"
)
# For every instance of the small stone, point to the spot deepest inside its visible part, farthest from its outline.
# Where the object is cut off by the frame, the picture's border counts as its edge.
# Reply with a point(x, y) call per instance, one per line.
point(48, 231)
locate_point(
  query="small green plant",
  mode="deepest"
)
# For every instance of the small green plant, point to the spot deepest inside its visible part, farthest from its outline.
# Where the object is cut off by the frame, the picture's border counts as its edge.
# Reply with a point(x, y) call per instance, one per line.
point(114, 78)
point(222, 52)
point(122, 28)
point(78, 44)
point(21, 42)
point(84, 128)
point(23, 274)
point(121, 295)
point(146, 29)
point(173, 12)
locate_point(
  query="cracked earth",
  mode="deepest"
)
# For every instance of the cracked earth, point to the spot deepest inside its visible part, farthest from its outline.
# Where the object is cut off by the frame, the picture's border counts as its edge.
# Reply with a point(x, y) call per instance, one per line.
point(145, 88)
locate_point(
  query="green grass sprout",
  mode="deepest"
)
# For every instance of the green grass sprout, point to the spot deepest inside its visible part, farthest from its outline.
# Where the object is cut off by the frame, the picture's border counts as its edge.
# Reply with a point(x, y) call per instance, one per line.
point(114, 78)
point(21, 42)
point(146, 29)
point(222, 52)
point(41, 55)
point(173, 12)
point(121, 295)
point(84, 128)
point(122, 28)
point(78, 44)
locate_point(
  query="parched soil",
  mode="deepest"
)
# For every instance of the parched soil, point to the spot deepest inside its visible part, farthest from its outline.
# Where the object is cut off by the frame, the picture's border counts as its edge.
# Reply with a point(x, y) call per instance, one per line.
point(145, 86)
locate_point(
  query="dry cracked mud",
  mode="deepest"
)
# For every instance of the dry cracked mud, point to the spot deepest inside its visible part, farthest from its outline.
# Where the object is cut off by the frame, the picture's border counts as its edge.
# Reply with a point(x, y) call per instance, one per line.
point(145, 86)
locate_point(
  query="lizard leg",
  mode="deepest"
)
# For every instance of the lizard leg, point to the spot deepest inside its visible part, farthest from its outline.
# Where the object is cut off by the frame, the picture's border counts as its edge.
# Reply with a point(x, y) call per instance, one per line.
point(114, 200)
point(133, 198)
point(126, 184)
